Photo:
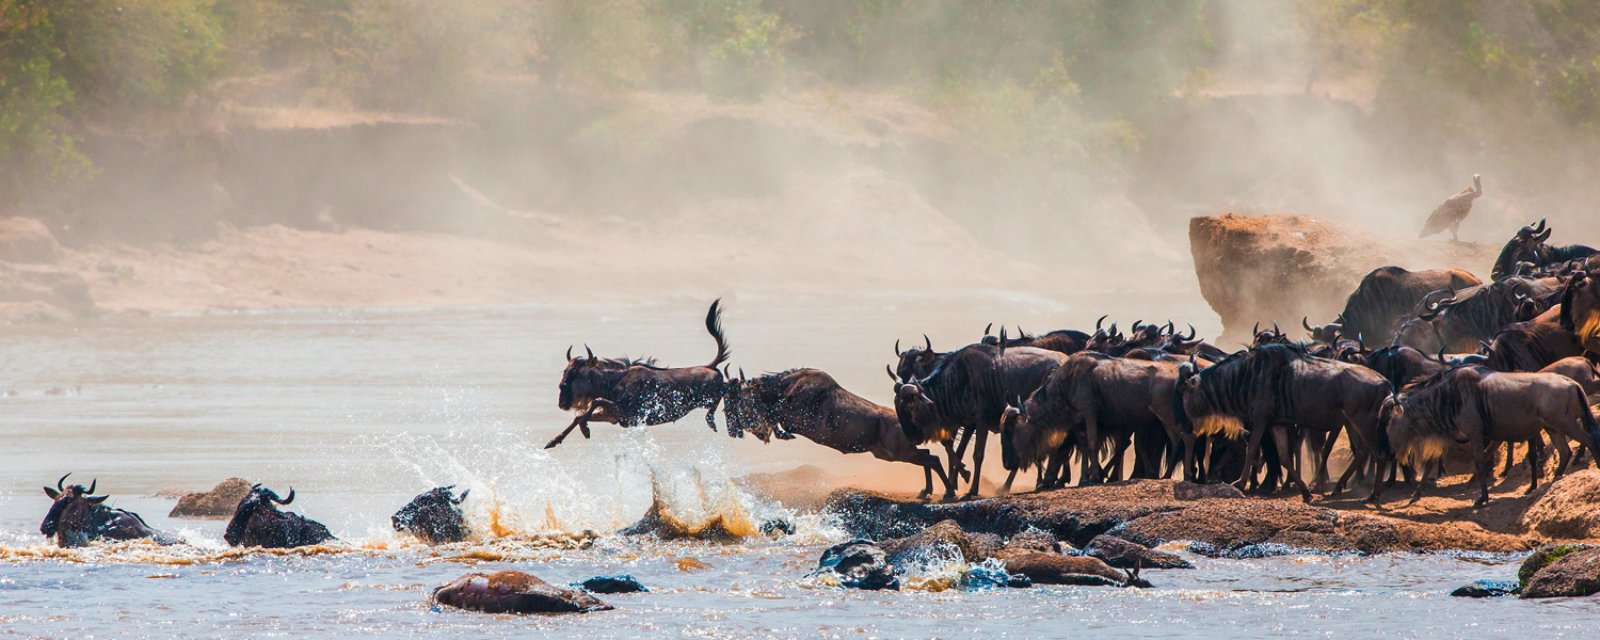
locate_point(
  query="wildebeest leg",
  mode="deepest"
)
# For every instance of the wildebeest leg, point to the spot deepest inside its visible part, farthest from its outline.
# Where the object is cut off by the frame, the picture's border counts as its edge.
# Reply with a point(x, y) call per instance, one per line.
point(1511, 457)
point(977, 463)
point(1252, 449)
point(1091, 472)
point(1289, 442)
point(1485, 468)
point(711, 413)
point(600, 409)
point(957, 466)
point(951, 477)
point(1535, 464)
point(1558, 441)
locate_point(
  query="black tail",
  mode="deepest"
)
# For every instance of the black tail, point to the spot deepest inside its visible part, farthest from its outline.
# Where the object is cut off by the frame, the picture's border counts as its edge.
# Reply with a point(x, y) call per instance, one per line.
point(714, 327)
point(1590, 425)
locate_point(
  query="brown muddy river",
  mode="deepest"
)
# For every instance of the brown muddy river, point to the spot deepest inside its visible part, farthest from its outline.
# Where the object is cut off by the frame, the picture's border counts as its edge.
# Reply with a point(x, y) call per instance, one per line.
point(360, 410)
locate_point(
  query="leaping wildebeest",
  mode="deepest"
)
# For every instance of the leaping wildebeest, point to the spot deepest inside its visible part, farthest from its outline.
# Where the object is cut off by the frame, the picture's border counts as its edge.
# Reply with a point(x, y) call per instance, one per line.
point(257, 522)
point(1479, 407)
point(630, 393)
point(77, 518)
point(811, 404)
point(434, 517)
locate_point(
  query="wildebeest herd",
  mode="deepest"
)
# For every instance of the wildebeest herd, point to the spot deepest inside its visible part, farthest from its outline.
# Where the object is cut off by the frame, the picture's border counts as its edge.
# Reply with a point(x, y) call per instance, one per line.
point(1418, 364)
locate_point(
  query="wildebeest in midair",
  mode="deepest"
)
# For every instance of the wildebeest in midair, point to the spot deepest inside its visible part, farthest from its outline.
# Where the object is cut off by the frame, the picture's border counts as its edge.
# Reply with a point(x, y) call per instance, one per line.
point(77, 518)
point(1282, 389)
point(811, 404)
point(970, 388)
point(434, 517)
point(630, 393)
point(1387, 295)
point(1478, 406)
point(257, 522)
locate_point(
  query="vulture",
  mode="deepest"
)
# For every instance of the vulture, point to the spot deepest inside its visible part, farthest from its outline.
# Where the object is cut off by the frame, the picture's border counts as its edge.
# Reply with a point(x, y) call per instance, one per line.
point(1453, 211)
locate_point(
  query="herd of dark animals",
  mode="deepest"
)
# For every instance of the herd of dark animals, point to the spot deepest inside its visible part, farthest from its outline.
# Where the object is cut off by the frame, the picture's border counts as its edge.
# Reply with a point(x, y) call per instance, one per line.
point(1467, 364)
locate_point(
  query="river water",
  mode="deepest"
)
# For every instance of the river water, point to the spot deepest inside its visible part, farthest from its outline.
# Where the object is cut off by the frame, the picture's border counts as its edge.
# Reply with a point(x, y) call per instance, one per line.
point(360, 410)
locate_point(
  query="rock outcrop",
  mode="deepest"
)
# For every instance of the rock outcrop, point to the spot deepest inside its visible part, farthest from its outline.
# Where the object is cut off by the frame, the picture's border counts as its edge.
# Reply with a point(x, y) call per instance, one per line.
point(1575, 574)
point(219, 502)
point(1569, 508)
point(1284, 267)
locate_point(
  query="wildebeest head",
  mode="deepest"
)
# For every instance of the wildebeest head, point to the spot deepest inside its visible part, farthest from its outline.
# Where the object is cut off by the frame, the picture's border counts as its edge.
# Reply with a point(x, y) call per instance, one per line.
point(1522, 247)
point(912, 407)
point(435, 516)
point(1104, 339)
point(257, 521)
point(70, 514)
point(916, 362)
point(1025, 442)
point(1326, 333)
point(588, 377)
point(1262, 337)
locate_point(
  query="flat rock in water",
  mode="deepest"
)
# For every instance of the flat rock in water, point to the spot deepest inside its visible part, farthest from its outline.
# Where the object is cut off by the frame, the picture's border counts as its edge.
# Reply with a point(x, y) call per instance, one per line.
point(1487, 589)
point(219, 502)
point(1122, 554)
point(1051, 568)
point(1575, 574)
point(974, 547)
point(514, 592)
point(612, 584)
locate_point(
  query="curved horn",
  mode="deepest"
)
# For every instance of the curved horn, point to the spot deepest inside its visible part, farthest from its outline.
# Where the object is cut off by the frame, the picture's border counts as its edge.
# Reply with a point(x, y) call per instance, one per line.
point(1275, 330)
point(1022, 334)
point(92, 484)
point(926, 343)
point(461, 498)
point(569, 353)
point(1192, 333)
point(61, 482)
point(897, 347)
point(589, 351)
point(286, 500)
point(1441, 356)
point(1539, 226)
point(1137, 324)
point(1255, 330)
point(887, 369)
point(987, 327)
point(1306, 322)
point(1102, 319)
point(741, 374)
point(1170, 328)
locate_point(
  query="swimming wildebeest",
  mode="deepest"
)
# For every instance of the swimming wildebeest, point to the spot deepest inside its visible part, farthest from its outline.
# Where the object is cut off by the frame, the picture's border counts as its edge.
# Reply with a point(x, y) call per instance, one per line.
point(1280, 388)
point(1388, 294)
point(434, 516)
point(257, 522)
point(969, 388)
point(1479, 407)
point(1528, 246)
point(810, 403)
point(630, 393)
point(78, 518)
point(1094, 397)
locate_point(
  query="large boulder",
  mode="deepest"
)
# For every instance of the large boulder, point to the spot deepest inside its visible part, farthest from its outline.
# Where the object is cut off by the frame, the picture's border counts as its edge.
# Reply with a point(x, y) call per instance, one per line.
point(27, 241)
point(1285, 267)
point(514, 592)
point(1544, 557)
point(219, 502)
point(1569, 508)
point(974, 547)
point(1575, 574)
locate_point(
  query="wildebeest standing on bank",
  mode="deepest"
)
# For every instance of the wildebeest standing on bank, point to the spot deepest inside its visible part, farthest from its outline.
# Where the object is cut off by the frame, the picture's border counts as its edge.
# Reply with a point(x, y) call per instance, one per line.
point(1460, 321)
point(257, 522)
point(1096, 396)
point(630, 393)
point(1528, 247)
point(434, 517)
point(77, 518)
point(1387, 295)
point(810, 403)
point(970, 388)
point(1280, 388)
point(1479, 406)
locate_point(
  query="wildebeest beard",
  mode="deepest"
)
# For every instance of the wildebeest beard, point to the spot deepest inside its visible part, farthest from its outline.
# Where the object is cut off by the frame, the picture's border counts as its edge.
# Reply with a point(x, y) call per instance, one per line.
point(1213, 403)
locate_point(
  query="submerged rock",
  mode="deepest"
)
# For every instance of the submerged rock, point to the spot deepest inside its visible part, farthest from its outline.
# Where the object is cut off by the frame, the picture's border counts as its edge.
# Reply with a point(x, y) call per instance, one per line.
point(1574, 574)
point(1542, 557)
point(1123, 554)
point(219, 502)
point(612, 584)
point(860, 565)
point(974, 547)
point(1487, 589)
point(777, 528)
point(514, 592)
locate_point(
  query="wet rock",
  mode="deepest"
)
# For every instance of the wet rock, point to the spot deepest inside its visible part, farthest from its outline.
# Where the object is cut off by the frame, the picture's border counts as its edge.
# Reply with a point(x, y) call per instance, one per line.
point(690, 564)
point(1575, 574)
point(718, 528)
point(985, 578)
point(1569, 508)
point(1122, 554)
point(1050, 568)
point(974, 547)
point(859, 565)
point(219, 502)
point(1487, 589)
point(1543, 556)
point(777, 528)
point(612, 584)
point(1186, 491)
point(513, 592)
point(1031, 541)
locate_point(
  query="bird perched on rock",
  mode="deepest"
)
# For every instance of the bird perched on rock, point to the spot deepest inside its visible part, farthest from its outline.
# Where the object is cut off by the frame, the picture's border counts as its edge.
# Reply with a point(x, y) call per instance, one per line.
point(1453, 211)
